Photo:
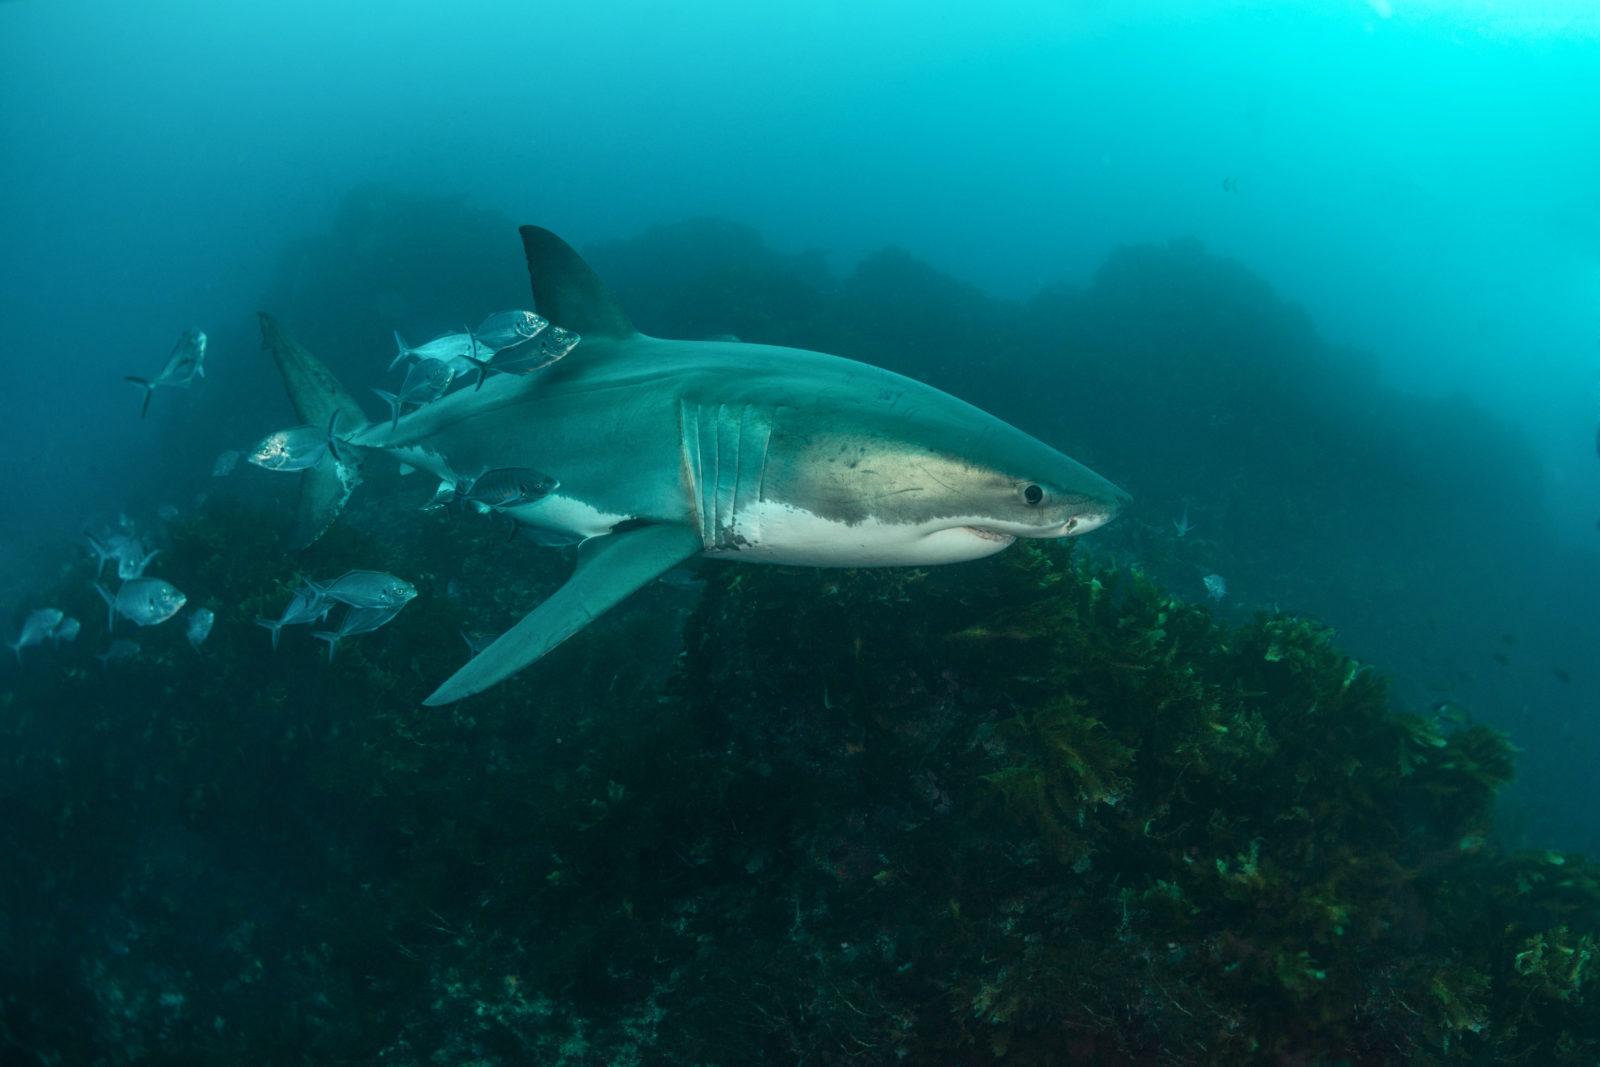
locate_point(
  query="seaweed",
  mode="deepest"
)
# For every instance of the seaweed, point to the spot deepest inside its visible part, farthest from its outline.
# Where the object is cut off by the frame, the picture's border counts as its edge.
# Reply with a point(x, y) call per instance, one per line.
point(1034, 807)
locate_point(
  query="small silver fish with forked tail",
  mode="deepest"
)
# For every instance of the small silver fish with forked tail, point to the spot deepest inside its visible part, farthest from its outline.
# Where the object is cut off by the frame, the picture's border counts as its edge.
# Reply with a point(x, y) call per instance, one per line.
point(366, 589)
point(36, 628)
point(298, 448)
point(147, 601)
point(306, 606)
point(184, 365)
point(357, 621)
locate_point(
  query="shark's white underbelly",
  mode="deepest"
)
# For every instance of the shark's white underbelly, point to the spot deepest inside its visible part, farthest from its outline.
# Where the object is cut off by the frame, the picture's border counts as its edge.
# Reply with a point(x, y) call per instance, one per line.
point(770, 532)
point(568, 515)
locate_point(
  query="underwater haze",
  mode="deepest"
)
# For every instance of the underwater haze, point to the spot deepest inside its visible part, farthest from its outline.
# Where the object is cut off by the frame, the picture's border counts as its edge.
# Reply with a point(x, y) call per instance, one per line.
point(1226, 693)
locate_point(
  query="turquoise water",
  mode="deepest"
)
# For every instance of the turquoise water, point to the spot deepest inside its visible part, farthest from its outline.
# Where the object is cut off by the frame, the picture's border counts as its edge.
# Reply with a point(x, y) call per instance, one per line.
point(1317, 284)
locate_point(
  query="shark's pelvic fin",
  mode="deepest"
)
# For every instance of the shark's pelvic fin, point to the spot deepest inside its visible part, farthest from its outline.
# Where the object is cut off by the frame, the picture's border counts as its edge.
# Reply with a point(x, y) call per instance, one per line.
point(319, 400)
point(567, 292)
point(609, 568)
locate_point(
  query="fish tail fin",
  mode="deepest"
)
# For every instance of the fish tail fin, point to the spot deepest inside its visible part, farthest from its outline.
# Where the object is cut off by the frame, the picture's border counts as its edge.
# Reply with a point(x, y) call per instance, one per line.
point(481, 364)
point(330, 636)
point(149, 388)
point(394, 406)
point(101, 553)
point(111, 606)
point(333, 440)
point(402, 350)
point(16, 646)
point(272, 626)
point(317, 396)
point(484, 370)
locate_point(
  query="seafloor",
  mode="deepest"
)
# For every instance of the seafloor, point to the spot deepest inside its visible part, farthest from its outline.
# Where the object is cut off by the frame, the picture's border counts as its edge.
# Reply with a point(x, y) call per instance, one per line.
point(1026, 807)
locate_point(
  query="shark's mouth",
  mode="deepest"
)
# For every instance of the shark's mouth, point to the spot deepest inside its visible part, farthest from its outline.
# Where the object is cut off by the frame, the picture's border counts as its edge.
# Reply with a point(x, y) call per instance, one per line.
point(1071, 527)
point(996, 536)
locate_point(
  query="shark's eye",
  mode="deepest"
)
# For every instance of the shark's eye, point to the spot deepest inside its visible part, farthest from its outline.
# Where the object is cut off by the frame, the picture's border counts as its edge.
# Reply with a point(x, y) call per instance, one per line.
point(1033, 494)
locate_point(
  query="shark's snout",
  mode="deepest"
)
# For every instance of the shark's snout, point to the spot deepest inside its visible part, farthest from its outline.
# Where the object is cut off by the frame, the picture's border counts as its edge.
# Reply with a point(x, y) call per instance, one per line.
point(1089, 520)
point(1088, 512)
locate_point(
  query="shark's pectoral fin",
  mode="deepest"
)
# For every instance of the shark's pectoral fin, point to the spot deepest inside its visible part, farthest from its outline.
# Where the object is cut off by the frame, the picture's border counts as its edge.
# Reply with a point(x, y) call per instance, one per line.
point(609, 568)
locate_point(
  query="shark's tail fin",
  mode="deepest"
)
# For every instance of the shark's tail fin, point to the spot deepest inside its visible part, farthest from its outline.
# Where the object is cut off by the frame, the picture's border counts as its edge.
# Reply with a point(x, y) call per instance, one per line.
point(318, 400)
point(149, 388)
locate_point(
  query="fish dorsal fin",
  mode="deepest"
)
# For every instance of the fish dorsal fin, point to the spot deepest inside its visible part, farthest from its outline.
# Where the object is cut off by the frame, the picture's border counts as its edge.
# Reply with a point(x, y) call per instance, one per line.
point(567, 292)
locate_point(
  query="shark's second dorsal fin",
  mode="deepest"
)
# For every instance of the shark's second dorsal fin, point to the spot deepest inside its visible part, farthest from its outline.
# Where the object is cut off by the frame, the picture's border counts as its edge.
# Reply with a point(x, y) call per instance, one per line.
point(567, 292)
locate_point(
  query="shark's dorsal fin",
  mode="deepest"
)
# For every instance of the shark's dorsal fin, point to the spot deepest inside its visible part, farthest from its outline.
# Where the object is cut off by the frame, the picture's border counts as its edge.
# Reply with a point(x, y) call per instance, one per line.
point(567, 292)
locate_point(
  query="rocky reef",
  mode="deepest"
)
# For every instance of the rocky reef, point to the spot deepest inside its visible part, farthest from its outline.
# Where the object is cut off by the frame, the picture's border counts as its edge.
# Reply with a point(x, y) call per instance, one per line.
point(1033, 809)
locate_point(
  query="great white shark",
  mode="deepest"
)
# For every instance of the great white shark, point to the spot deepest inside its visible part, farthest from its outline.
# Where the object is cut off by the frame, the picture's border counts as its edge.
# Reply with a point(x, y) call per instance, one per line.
point(666, 450)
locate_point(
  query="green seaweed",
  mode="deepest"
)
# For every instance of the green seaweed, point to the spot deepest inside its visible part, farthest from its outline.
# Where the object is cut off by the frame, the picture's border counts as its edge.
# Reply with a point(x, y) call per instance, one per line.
point(1033, 808)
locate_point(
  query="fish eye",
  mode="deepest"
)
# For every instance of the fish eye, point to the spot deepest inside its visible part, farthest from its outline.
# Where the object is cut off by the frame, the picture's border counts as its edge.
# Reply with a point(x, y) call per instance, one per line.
point(1033, 494)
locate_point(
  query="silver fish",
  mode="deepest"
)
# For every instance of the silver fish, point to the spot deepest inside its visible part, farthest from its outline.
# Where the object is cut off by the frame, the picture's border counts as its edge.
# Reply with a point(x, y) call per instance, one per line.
point(39, 625)
point(298, 448)
point(1216, 586)
point(133, 564)
point(506, 328)
point(366, 589)
point(426, 381)
point(306, 606)
point(184, 365)
point(528, 356)
point(118, 650)
point(66, 631)
point(125, 548)
point(199, 628)
point(449, 347)
point(147, 601)
point(505, 487)
point(357, 621)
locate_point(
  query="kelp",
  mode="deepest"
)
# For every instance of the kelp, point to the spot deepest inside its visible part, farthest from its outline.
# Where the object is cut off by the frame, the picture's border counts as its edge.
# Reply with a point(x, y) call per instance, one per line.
point(1033, 808)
